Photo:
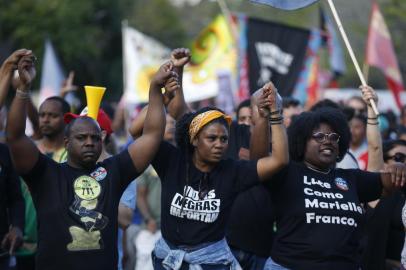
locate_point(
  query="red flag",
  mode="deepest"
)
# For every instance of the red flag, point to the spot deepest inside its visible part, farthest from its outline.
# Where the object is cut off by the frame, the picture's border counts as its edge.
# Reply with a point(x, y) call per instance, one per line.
point(380, 53)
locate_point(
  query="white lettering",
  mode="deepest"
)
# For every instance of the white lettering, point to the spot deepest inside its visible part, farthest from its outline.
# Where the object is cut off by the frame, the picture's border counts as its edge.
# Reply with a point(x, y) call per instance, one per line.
point(313, 181)
point(325, 219)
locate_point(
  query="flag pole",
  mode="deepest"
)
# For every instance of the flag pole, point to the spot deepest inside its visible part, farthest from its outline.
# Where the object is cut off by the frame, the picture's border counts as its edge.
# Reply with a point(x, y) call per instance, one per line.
point(365, 70)
point(226, 12)
point(350, 51)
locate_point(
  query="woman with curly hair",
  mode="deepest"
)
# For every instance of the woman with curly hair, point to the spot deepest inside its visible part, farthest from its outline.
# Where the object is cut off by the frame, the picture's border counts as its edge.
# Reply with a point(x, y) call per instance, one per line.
point(318, 207)
point(199, 186)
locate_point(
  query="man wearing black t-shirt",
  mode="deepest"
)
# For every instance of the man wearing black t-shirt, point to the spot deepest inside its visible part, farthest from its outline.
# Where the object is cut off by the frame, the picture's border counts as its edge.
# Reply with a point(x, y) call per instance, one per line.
point(11, 209)
point(77, 201)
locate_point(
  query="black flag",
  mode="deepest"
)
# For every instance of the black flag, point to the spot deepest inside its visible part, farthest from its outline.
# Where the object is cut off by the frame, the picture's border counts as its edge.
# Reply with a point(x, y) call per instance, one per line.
point(275, 53)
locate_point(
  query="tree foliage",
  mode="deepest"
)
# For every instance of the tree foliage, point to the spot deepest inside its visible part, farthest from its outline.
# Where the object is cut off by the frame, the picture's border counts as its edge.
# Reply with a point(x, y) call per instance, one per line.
point(86, 34)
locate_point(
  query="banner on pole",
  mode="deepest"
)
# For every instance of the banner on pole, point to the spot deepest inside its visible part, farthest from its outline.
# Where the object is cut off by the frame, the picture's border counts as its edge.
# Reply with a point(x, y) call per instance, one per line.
point(142, 57)
point(275, 53)
point(52, 75)
point(380, 53)
point(213, 54)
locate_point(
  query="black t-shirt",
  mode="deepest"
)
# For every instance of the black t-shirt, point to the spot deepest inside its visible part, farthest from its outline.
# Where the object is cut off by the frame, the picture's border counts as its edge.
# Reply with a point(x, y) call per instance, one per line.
point(319, 216)
point(239, 138)
point(250, 226)
point(77, 212)
point(11, 199)
point(202, 218)
point(384, 233)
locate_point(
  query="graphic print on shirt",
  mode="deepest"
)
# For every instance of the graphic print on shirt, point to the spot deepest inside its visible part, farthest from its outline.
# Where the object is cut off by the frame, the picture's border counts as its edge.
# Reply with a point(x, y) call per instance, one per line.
point(194, 208)
point(87, 190)
point(319, 197)
point(99, 174)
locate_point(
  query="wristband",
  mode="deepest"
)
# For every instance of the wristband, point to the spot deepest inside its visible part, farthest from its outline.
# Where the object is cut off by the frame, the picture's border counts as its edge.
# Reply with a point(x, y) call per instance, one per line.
point(22, 94)
point(276, 122)
point(272, 119)
point(275, 112)
point(373, 123)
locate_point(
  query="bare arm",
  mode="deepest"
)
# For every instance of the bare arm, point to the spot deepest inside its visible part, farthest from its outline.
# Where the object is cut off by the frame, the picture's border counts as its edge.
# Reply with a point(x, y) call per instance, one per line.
point(137, 124)
point(125, 215)
point(260, 135)
point(7, 72)
point(177, 106)
point(24, 152)
point(144, 148)
point(142, 204)
point(269, 165)
point(394, 177)
point(34, 118)
point(374, 138)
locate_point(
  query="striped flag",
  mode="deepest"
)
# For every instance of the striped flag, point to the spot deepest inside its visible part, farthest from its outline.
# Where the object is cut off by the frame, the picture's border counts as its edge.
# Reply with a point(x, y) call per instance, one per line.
point(286, 4)
point(380, 53)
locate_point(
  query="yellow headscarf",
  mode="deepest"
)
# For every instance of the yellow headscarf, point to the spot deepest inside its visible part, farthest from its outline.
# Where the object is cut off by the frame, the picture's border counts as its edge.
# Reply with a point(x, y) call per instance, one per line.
point(202, 119)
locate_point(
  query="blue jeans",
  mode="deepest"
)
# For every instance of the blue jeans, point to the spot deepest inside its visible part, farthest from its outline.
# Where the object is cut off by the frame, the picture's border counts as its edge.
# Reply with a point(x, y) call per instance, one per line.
point(271, 265)
point(157, 263)
point(249, 261)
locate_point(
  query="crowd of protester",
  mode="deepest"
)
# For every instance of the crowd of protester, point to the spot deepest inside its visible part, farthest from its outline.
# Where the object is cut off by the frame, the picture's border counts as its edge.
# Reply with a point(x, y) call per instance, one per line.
point(275, 186)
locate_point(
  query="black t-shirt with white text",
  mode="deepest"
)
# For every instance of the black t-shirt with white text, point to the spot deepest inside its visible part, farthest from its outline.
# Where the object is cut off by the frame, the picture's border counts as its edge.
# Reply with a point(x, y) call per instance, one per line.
point(77, 212)
point(202, 218)
point(319, 216)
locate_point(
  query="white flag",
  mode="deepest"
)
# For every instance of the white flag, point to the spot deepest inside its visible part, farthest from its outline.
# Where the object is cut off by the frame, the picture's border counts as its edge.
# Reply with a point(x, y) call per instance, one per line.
point(52, 75)
point(143, 56)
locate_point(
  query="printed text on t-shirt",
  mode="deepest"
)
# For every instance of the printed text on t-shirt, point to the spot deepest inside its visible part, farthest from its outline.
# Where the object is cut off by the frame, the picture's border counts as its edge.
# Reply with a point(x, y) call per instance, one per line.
point(205, 210)
point(330, 200)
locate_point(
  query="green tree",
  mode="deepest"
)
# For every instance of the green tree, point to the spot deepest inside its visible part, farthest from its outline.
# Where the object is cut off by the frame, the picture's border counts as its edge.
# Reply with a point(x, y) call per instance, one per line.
point(86, 34)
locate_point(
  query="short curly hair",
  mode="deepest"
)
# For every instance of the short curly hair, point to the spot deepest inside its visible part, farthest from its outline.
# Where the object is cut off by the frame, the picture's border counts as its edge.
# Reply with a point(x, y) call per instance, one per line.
point(182, 137)
point(301, 129)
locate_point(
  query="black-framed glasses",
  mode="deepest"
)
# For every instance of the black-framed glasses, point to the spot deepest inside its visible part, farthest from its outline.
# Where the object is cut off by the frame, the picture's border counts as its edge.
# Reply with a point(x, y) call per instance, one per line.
point(322, 137)
point(398, 157)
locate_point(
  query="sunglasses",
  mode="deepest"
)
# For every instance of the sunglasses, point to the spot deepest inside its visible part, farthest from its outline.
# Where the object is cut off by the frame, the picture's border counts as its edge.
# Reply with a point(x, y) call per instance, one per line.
point(322, 137)
point(398, 157)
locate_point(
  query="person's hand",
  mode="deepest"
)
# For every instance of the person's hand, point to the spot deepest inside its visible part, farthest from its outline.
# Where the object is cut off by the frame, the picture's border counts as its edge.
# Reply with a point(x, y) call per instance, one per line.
point(164, 73)
point(151, 225)
point(67, 85)
point(12, 240)
point(26, 72)
point(171, 86)
point(268, 100)
point(11, 63)
point(368, 93)
point(180, 57)
point(274, 98)
point(397, 172)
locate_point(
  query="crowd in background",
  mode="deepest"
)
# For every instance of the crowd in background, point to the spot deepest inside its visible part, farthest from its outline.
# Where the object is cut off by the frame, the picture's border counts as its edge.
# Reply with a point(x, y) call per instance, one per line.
point(255, 218)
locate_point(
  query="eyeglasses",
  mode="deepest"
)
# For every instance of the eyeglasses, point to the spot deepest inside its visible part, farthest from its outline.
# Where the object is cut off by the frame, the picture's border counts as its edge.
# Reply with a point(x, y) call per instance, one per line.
point(398, 157)
point(322, 137)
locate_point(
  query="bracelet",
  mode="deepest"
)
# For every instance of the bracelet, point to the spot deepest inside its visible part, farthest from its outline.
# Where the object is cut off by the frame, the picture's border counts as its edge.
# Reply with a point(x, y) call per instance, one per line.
point(373, 123)
point(372, 118)
point(275, 112)
point(276, 122)
point(271, 119)
point(22, 94)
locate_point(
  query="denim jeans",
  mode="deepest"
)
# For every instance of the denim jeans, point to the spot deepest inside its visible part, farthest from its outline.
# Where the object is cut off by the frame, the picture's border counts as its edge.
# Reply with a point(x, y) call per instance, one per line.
point(271, 265)
point(247, 260)
point(157, 263)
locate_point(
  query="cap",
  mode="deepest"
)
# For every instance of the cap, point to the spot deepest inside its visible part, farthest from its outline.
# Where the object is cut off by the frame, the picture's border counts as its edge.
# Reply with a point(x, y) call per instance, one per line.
point(102, 118)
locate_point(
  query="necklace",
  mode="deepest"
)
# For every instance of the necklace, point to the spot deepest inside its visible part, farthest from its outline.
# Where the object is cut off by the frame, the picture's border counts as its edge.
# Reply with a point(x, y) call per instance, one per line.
point(317, 170)
point(203, 190)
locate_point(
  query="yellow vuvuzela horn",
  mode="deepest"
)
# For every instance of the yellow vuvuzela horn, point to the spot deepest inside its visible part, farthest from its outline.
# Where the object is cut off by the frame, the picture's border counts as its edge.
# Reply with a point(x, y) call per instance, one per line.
point(94, 95)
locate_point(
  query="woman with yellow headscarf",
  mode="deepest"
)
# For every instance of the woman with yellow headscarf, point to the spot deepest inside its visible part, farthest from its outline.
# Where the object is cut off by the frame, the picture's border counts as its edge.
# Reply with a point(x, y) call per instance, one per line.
point(199, 185)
